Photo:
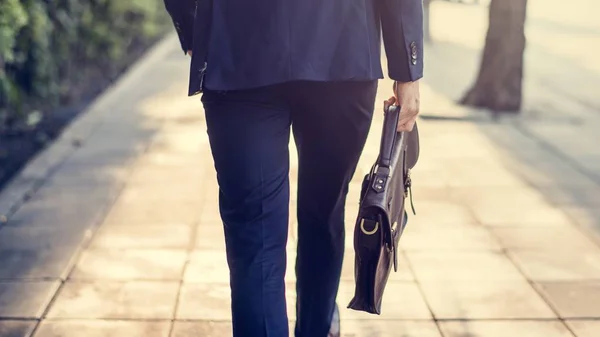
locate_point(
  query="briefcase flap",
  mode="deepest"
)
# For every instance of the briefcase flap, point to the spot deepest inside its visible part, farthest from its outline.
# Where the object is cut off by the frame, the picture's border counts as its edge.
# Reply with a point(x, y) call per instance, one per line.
point(412, 147)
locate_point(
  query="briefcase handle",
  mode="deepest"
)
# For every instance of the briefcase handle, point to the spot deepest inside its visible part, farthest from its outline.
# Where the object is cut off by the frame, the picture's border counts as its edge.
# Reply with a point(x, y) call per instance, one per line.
point(390, 143)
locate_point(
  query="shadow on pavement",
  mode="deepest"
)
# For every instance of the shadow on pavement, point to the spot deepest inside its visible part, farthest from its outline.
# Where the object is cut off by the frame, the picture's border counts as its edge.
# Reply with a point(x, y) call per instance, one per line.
point(560, 179)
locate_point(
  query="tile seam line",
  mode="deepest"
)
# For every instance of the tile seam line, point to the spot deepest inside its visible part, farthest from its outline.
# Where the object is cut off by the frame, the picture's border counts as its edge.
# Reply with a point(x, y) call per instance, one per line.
point(190, 249)
point(537, 291)
point(97, 223)
point(504, 252)
point(409, 263)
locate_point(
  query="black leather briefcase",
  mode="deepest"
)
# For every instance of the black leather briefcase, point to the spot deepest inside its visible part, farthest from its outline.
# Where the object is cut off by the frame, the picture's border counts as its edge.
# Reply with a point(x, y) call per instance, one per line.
point(382, 217)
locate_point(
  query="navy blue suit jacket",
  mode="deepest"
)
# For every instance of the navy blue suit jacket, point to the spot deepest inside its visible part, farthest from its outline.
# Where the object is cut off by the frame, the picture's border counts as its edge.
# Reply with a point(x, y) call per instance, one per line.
point(241, 44)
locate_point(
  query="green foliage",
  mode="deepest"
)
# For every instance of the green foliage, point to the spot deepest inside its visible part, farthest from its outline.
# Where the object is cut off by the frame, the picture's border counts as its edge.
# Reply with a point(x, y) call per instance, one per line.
point(50, 48)
point(12, 19)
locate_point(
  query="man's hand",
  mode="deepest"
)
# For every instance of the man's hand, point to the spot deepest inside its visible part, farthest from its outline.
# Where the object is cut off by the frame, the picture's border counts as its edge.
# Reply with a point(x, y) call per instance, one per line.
point(406, 95)
point(189, 52)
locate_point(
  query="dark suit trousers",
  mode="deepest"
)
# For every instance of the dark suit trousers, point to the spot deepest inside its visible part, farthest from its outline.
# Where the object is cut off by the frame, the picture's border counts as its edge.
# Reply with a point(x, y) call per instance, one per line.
point(249, 133)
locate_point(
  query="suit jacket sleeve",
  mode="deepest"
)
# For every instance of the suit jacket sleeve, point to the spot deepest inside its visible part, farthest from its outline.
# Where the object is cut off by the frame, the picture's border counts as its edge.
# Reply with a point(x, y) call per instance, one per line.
point(402, 30)
point(182, 13)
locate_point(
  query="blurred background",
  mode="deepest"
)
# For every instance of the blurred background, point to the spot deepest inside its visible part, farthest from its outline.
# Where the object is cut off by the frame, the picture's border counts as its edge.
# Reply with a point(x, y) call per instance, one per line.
point(57, 56)
point(109, 222)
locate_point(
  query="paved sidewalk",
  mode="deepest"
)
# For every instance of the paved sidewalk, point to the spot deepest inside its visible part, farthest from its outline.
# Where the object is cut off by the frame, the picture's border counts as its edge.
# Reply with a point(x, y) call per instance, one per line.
point(120, 235)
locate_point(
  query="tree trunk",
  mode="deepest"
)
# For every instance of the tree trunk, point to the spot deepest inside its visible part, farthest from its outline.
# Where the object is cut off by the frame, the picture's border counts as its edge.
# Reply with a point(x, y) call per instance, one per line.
point(499, 83)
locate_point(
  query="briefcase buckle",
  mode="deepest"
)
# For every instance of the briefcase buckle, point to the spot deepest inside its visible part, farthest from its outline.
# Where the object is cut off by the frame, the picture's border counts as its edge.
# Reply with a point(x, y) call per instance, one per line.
point(368, 232)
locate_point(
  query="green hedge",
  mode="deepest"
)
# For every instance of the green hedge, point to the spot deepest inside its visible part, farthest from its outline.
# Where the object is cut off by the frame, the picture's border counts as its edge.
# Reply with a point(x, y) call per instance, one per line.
point(50, 50)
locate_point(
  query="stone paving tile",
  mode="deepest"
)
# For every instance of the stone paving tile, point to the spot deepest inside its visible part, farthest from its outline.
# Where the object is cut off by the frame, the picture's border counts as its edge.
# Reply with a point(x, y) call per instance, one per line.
point(207, 266)
point(499, 197)
point(210, 214)
point(402, 300)
point(504, 196)
point(557, 239)
point(184, 140)
point(404, 272)
point(398, 328)
point(349, 217)
point(25, 299)
point(553, 265)
point(585, 328)
point(16, 328)
point(171, 190)
point(130, 264)
point(433, 194)
point(204, 301)
point(41, 237)
point(290, 270)
point(130, 135)
point(36, 264)
point(468, 174)
point(202, 328)
point(102, 328)
point(211, 202)
point(573, 299)
point(440, 214)
point(89, 176)
point(55, 214)
point(522, 216)
point(156, 192)
point(429, 178)
point(207, 328)
point(293, 216)
point(78, 191)
point(211, 301)
point(350, 328)
point(573, 196)
point(65, 205)
point(552, 174)
point(588, 217)
point(292, 241)
point(93, 155)
point(126, 300)
point(465, 266)
point(152, 212)
point(465, 238)
point(192, 175)
point(174, 235)
point(170, 159)
point(485, 300)
point(210, 235)
point(504, 328)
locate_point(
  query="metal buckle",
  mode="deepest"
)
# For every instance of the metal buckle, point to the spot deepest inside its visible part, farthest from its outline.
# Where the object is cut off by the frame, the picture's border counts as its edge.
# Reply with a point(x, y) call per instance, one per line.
point(366, 232)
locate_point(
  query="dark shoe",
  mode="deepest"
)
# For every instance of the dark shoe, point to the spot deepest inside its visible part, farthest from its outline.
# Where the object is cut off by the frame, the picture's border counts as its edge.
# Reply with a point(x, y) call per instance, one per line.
point(334, 330)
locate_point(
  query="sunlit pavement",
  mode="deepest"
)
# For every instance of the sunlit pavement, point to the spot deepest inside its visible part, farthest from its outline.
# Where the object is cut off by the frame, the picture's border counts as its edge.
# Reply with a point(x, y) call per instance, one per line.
point(122, 236)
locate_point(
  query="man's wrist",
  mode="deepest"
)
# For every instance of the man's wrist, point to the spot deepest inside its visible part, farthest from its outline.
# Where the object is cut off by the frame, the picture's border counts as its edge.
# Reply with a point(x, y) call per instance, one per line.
point(407, 82)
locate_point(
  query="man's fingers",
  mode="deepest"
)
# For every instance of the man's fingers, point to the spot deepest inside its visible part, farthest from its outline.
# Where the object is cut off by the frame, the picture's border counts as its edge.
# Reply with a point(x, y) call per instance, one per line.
point(405, 119)
point(387, 103)
point(407, 114)
point(407, 123)
point(403, 128)
point(408, 95)
point(407, 127)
